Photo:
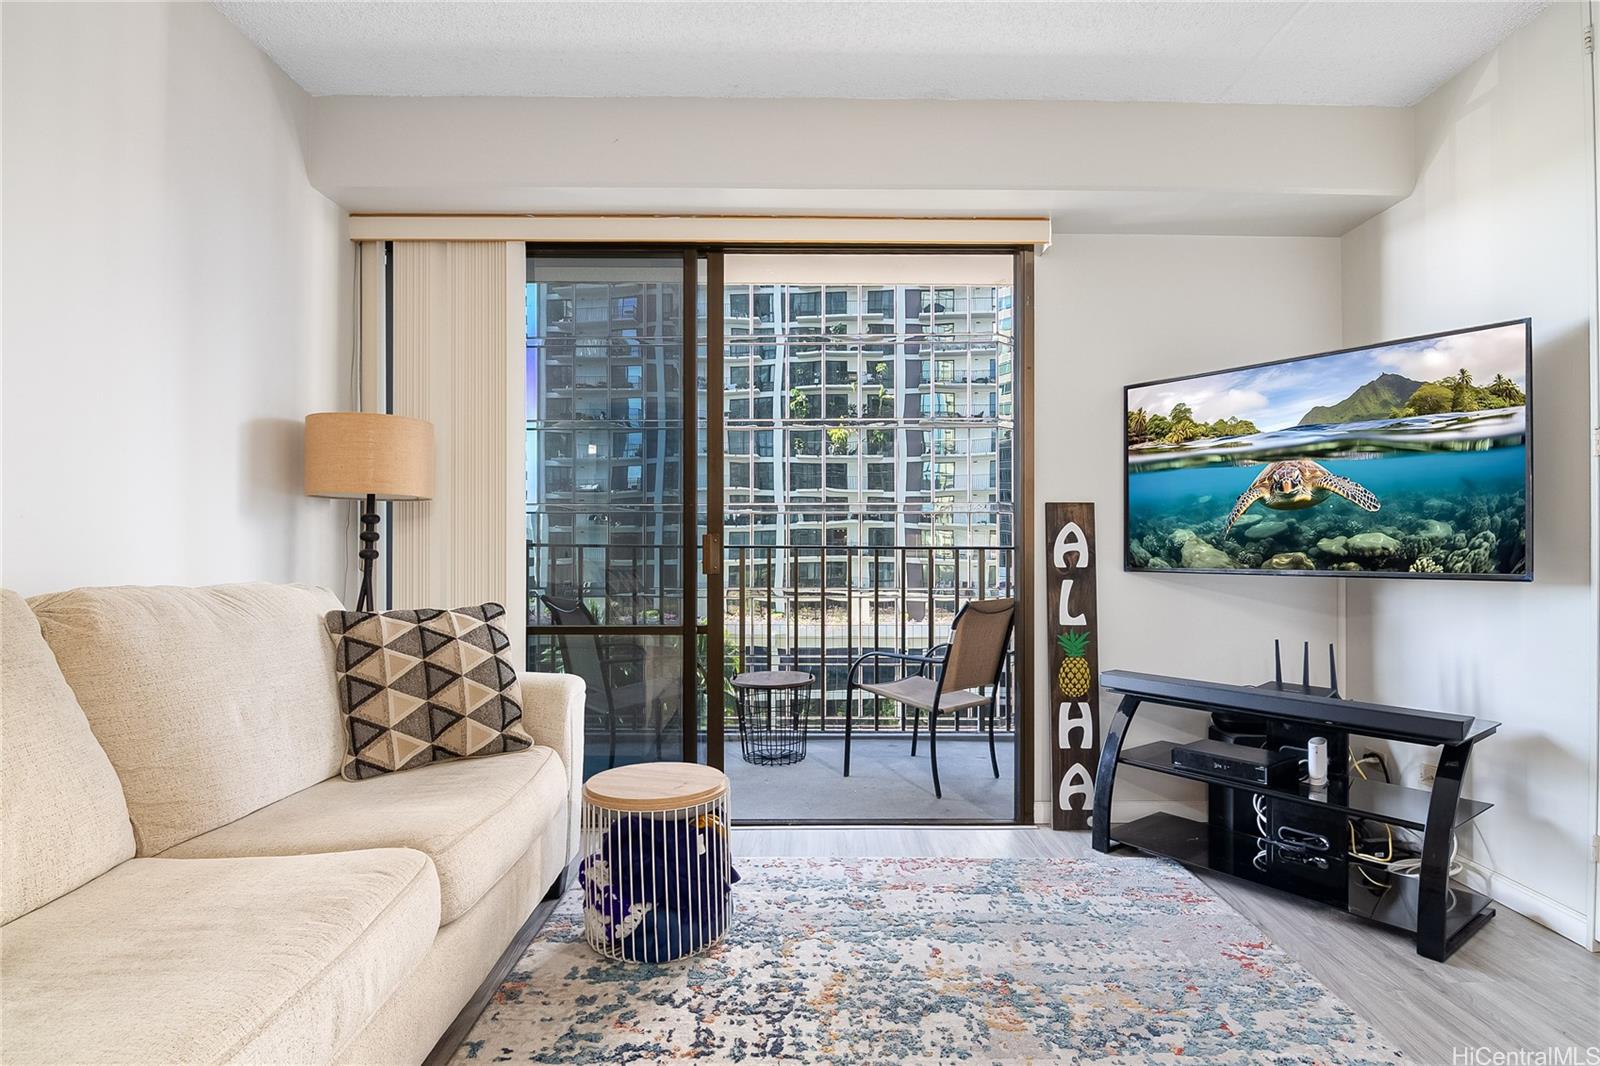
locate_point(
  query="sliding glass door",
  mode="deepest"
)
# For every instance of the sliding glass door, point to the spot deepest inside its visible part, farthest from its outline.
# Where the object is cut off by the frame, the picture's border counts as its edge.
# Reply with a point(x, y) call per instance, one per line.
point(615, 495)
point(872, 490)
point(780, 462)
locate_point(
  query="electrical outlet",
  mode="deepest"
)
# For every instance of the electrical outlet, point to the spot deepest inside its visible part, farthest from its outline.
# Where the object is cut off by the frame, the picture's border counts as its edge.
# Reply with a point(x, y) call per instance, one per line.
point(1427, 772)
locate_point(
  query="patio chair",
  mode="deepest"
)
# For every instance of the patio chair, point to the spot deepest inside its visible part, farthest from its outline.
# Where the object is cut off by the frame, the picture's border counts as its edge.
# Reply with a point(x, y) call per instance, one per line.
point(603, 662)
point(972, 659)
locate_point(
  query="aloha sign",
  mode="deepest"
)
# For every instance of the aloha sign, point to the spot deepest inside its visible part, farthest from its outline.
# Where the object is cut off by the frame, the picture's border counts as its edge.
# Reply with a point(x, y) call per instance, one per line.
point(1074, 662)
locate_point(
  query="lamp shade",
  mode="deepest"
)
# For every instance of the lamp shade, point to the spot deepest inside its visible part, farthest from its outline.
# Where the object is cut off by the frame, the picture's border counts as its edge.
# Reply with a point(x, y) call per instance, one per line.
point(355, 454)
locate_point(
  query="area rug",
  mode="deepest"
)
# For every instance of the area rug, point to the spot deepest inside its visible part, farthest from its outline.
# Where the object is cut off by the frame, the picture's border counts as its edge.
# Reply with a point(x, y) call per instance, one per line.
point(1106, 959)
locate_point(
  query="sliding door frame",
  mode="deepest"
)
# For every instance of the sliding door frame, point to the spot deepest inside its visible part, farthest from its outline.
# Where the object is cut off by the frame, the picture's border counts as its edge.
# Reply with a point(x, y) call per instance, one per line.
point(689, 485)
point(688, 628)
point(711, 546)
point(703, 554)
point(1028, 535)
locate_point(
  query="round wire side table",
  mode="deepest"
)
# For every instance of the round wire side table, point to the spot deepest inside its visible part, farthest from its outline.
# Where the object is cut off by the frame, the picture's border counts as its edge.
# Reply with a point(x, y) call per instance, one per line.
point(772, 732)
point(657, 872)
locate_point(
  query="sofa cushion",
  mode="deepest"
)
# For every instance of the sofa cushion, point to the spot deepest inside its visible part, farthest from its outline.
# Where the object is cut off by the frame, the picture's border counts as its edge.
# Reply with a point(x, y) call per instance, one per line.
point(211, 702)
point(422, 686)
point(63, 821)
point(473, 817)
point(407, 1027)
point(278, 960)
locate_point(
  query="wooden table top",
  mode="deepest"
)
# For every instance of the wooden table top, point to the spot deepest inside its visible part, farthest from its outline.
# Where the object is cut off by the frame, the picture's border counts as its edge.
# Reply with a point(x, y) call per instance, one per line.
point(655, 786)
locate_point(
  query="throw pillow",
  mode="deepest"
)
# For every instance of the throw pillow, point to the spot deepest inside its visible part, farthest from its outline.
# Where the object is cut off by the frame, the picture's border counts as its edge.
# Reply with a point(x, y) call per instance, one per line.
point(421, 686)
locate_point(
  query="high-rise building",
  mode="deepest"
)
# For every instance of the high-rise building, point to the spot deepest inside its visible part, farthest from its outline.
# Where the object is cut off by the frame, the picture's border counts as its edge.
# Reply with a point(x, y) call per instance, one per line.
point(868, 476)
point(868, 415)
point(605, 405)
point(856, 415)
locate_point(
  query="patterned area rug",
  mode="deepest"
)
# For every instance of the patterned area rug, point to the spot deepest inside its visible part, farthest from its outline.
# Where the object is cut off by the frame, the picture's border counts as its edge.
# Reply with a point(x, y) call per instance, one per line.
point(1118, 959)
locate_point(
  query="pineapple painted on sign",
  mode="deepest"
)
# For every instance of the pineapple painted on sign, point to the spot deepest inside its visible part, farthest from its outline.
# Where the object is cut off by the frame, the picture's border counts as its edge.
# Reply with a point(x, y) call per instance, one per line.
point(1073, 676)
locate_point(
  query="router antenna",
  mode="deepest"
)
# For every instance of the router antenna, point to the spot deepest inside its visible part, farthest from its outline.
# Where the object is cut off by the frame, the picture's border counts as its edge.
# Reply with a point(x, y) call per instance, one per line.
point(1333, 673)
point(1305, 667)
point(1277, 663)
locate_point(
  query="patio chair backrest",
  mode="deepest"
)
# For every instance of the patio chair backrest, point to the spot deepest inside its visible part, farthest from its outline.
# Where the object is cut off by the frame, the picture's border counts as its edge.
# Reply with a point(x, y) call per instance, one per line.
point(580, 654)
point(576, 613)
point(978, 640)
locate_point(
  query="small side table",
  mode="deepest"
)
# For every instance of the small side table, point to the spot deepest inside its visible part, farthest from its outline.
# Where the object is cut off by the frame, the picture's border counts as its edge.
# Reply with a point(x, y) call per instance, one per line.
point(657, 870)
point(774, 734)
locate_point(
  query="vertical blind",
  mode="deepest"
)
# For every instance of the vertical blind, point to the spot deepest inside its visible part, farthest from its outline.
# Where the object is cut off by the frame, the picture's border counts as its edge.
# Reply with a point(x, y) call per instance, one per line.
point(456, 359)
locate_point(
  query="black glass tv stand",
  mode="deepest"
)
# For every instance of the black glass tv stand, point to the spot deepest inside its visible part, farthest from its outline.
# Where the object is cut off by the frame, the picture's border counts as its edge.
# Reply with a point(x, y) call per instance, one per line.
point(1291, 836)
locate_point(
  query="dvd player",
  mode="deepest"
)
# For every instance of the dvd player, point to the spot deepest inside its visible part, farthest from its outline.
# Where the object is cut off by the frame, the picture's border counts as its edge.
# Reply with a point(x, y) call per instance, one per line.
point(1257, 766)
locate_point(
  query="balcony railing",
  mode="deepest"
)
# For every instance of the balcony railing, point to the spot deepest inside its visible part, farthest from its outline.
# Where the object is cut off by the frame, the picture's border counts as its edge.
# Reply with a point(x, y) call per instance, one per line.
point(817, 608)
point(808, 607)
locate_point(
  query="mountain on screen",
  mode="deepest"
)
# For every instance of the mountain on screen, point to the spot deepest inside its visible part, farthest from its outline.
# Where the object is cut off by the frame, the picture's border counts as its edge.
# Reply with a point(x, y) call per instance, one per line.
point(1379, 398)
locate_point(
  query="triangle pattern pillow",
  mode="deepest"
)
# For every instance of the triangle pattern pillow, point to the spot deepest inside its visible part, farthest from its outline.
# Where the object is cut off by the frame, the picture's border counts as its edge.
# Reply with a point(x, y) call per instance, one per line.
point(421, 686)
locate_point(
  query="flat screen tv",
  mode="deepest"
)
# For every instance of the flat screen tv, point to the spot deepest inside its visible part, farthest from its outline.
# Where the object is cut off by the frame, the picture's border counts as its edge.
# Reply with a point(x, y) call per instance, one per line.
point(1411, 458)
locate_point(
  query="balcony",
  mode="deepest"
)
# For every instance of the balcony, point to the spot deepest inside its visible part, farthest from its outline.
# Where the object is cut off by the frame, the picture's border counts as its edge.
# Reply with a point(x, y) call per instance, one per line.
point(813, 608)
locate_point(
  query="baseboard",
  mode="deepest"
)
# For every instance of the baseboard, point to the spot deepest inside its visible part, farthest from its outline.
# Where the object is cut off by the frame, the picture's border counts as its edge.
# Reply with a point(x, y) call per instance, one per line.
point(1533, 904)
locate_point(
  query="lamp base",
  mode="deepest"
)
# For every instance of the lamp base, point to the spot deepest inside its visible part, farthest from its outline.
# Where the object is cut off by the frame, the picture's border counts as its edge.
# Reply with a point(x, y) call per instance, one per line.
point(369, 551)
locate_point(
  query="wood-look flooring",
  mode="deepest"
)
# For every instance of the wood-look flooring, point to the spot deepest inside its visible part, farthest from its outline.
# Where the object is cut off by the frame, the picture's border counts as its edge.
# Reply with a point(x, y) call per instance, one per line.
point(1514, 986)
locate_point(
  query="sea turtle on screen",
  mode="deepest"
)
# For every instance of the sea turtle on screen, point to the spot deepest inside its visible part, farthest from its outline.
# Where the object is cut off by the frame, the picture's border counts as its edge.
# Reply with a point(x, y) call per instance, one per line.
point(1292, 484)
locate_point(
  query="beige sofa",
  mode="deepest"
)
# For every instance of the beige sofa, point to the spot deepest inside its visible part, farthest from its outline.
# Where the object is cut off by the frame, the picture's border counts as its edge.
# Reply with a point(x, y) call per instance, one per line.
point(186, 879)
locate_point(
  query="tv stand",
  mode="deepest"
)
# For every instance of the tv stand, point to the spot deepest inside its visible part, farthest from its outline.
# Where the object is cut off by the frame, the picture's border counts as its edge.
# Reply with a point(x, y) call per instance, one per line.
point(1294, 837)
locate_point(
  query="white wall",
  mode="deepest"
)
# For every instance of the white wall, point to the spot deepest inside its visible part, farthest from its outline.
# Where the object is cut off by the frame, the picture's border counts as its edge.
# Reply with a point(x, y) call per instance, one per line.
point(1118, 309)
point(1500, 227)
point(1096, 167)
point(1594, 385)
point(173, 305)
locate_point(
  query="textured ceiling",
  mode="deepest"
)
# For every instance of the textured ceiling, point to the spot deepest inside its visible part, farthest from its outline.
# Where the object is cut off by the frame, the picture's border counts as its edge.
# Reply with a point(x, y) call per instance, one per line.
point(1382, 54)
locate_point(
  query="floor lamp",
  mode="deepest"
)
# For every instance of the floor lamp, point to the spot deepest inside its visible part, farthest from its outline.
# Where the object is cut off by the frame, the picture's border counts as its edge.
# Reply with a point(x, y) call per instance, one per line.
point(354, 455)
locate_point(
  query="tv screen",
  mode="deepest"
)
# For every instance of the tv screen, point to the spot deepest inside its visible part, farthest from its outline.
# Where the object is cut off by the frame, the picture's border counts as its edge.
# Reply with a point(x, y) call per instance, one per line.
point(1408, 458)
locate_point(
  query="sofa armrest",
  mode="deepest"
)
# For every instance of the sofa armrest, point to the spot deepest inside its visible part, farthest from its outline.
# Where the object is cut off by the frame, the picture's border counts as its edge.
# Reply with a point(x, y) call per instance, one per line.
point(552, 713)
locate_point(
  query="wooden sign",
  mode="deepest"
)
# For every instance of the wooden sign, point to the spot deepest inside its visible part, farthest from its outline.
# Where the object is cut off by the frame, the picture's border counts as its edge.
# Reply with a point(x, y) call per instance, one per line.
point(1073, 628)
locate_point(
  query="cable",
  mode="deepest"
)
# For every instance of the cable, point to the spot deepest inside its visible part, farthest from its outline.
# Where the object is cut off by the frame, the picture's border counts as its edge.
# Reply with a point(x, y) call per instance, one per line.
point(1369, 879)
point(1371, 756)
point(1412, 866)
point(1356, 852)
point(1259, 802)
point(1355, 849)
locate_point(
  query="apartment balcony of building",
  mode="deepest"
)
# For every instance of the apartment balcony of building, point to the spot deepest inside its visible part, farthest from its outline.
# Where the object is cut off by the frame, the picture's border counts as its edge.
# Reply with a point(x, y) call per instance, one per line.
point(816, 608)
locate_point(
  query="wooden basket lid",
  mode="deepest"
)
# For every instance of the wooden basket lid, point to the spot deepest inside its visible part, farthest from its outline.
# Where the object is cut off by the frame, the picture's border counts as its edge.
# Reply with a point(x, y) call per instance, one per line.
point(655, 786)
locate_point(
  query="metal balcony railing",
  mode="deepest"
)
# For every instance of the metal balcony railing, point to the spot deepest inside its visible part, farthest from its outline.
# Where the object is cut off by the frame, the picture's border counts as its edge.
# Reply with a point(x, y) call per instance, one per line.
point(815, 608)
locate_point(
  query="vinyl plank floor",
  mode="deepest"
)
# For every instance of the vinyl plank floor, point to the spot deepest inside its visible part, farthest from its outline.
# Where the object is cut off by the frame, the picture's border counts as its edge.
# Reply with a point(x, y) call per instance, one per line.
point(1514, 986)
